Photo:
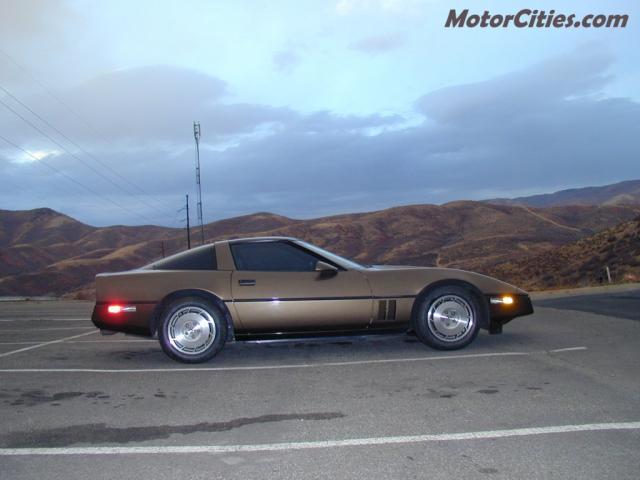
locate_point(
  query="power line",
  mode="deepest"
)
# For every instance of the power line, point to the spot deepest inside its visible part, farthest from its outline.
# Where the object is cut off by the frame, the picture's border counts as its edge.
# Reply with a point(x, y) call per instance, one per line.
point(186, 207)
point(43, 120)
point(46, 89)
point(68, 177)
point(62, 147)
point(75, 114)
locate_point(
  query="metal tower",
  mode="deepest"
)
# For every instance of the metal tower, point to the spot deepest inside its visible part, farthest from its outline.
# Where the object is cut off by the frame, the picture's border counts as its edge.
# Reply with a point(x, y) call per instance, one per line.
point(196, 135)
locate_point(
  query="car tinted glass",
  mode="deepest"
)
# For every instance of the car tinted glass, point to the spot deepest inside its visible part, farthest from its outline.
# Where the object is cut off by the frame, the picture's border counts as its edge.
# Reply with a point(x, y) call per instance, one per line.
point(272, 257)
point(332, 257)
point(199, 259)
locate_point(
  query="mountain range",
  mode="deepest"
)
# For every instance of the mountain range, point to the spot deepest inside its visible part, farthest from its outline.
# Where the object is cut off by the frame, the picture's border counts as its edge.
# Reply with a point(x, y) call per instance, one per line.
point(43, 252)
point(622, 193)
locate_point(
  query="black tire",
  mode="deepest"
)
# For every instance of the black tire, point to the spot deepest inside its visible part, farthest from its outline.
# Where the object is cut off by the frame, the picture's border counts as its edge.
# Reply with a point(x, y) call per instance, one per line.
point(448, 318)
point(192, 330)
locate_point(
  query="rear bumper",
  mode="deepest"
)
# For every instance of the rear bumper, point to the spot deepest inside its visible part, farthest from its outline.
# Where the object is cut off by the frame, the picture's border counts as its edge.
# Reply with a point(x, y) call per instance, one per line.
point(500, 313)
point(135, 320)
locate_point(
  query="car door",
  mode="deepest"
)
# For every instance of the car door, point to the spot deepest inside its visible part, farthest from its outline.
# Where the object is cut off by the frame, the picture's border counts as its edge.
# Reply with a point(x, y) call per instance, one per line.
point(276, 287)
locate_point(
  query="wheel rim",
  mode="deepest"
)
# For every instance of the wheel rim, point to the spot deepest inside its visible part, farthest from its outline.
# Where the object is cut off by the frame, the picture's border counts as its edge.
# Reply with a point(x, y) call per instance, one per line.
point(450, 318)
point(191, 330)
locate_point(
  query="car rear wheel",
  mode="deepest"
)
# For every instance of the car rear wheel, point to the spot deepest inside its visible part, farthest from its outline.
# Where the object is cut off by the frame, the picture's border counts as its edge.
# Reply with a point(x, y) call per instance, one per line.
point(448, 318)
point(192, 330)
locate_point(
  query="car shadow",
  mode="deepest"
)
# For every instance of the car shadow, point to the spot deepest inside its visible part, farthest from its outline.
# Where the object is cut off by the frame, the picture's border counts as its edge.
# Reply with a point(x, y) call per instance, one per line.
point(361, 348)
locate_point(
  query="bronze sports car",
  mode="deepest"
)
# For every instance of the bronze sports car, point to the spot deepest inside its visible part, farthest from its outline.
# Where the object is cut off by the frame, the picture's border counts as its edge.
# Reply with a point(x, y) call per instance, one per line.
point(273, 287)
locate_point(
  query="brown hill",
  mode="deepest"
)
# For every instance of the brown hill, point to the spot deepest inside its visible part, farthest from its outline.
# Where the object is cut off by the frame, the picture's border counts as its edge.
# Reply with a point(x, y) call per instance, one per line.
point(36, 259)
point(41, 226)
point(43, 252)
point(580, 263)
point(622, 193)
point(34, 239)
point(458, 234)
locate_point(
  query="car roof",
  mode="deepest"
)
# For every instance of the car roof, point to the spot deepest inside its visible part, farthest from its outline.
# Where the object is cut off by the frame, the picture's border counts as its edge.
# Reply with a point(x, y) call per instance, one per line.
point(260, 239)
point(199, 248)
point(236, 240)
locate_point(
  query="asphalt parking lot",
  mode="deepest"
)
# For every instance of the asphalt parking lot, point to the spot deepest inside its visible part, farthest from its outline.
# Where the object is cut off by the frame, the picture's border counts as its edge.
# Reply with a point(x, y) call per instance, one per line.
point(555, 396)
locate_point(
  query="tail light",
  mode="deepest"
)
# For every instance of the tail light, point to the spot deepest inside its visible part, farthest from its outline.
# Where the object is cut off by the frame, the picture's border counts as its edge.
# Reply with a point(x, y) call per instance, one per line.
point(115, 309)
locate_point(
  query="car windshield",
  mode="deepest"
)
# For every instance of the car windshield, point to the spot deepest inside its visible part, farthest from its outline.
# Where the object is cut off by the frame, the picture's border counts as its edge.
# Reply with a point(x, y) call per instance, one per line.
point(345, 262)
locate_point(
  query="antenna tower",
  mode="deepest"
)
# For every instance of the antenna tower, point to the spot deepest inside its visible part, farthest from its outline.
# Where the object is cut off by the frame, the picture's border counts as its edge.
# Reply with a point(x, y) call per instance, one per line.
point(196, 135)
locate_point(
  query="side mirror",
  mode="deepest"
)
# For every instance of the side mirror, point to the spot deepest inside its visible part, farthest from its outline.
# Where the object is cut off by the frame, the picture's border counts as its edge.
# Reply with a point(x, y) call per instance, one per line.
point(324, 267)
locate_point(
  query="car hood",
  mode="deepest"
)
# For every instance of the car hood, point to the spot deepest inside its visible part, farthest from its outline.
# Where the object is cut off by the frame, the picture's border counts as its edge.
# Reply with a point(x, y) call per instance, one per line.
point(410, 279)
point(393, 267)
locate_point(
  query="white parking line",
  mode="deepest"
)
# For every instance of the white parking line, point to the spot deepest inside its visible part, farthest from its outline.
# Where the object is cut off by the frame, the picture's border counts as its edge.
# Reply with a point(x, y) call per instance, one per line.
point(86, 341)
point(351, 442)
point(276, 367)
point(52, 329)
point(44, 344)
point(45, 319)
point(569, 349)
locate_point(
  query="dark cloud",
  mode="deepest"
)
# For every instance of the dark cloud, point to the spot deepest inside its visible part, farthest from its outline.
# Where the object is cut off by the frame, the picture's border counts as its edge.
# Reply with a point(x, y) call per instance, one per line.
point(545, 127)
point(286, 60)
point(25, 19)
point(378, 44)
point(536, 88)
point(147, 105)
point(23, 26)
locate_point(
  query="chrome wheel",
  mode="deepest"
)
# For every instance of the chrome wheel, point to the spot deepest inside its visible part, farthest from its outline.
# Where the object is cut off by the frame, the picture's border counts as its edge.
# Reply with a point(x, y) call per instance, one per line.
point(450, 318)
point(191, 330)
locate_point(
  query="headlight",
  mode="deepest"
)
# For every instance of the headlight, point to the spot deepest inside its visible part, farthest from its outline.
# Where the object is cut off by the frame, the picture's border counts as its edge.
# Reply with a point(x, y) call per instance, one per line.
point(504, 300)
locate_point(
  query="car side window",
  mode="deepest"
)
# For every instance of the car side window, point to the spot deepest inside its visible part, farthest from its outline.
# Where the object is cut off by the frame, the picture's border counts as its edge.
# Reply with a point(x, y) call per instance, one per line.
point(200, 259)
point(272, 257)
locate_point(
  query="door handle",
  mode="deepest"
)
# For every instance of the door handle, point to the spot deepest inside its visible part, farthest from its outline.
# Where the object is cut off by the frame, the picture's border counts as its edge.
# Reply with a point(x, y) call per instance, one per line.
point(246, 283)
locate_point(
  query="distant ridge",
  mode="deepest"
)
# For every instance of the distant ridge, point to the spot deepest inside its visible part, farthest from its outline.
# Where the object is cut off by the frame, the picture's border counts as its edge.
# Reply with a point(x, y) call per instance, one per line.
point(43, 252)
point(622, 193)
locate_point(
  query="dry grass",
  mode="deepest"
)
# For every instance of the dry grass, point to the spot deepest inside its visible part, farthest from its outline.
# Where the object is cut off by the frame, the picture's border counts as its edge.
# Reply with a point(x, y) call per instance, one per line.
point(46, 253)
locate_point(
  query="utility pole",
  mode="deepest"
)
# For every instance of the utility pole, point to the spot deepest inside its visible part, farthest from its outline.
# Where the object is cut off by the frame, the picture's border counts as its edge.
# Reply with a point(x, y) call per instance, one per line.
point(188, 228)
point(196, 135)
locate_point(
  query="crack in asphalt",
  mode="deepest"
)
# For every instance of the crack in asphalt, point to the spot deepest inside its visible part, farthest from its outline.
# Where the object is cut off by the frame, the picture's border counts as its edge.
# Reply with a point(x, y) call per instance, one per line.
point(95, 433)
point(35, 397)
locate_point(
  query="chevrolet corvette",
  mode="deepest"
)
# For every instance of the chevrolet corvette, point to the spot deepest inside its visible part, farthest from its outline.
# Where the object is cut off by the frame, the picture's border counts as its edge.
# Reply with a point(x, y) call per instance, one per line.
point(278, 287)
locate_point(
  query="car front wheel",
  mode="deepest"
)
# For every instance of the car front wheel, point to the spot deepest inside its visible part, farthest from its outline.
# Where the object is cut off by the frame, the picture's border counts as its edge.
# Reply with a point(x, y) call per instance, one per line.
point(192, 330)
point(448, 318)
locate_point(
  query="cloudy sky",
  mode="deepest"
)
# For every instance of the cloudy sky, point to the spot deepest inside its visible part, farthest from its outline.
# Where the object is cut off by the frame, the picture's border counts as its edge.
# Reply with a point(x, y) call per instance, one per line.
point(307, 108)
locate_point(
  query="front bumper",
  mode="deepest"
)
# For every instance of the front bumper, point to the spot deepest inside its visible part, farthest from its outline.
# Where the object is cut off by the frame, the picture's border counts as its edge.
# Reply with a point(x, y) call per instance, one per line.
point(501, 313)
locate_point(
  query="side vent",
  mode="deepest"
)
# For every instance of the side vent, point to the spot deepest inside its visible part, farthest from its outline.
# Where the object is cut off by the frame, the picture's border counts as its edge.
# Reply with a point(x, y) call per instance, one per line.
point(386, 310)
point(391, 310)
point(382, 309)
